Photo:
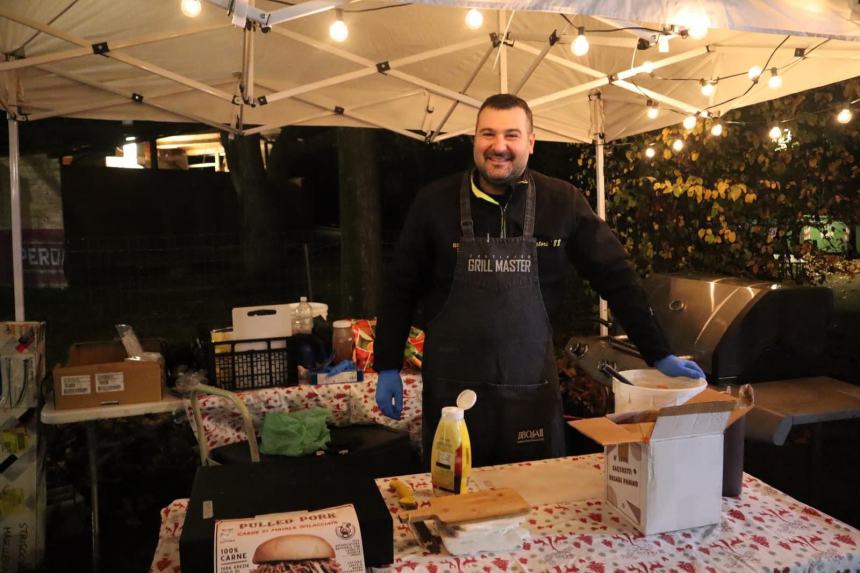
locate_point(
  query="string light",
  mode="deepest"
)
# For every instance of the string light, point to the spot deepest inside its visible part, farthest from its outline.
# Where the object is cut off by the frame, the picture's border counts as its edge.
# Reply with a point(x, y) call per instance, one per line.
point(844, 116)
point(580, 44)
point(717, 129)
point(689, 122)
point(708, 88)
point(650, 152)
point(653, 110)
point(338, 30)
point(677, 145)
point(191, 8)
point(663, 43)
point(774, 82)
point(775, 132)
point(474, 19)
point(754, 72)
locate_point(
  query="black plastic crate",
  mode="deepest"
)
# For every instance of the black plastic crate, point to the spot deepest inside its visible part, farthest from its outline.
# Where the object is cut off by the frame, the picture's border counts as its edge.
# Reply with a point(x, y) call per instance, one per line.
point(251, 364)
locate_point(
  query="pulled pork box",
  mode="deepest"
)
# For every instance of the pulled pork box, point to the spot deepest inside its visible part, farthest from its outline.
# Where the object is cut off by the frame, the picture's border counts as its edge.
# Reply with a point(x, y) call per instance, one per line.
point(292, 484)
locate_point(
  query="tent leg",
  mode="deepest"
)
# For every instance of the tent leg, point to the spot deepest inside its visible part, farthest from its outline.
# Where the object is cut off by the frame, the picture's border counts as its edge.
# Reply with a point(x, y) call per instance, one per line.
point(601, 212)
point(15, 200)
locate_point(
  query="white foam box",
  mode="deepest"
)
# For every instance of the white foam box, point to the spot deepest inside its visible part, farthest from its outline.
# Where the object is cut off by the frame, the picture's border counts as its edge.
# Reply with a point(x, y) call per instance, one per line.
point(663, 468)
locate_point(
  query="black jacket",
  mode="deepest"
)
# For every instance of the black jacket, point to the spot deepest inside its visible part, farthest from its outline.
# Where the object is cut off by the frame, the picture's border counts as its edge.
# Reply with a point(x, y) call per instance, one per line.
point(565, 228)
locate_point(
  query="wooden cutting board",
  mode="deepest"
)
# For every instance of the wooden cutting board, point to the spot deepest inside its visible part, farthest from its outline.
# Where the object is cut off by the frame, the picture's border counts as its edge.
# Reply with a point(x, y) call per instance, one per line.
point(477, 506)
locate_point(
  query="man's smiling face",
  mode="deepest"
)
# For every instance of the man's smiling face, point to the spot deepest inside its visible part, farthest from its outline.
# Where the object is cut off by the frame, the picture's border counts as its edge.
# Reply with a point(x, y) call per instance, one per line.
point(503, 142)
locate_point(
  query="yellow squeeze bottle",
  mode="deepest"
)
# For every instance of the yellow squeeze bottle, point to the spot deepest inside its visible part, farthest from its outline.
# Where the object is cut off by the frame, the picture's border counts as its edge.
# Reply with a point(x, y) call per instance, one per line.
point(451, 458)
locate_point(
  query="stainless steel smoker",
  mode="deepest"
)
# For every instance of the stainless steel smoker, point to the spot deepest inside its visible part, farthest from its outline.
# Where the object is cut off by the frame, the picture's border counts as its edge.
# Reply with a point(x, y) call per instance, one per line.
point(742, 331)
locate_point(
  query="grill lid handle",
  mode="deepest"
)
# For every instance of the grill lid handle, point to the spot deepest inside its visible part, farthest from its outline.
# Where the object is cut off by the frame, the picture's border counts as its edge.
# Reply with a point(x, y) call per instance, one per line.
point(677, 305)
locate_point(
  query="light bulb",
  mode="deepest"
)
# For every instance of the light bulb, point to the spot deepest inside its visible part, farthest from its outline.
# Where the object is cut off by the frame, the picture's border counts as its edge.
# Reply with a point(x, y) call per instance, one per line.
point(647, 66)
point(650, 152)
point(754, 72)
point(774, 82)
point(708, 88)
point(580, 44)
point(663, 43)
point(844, 116)
point(338, 30)
point(775, 132)
point(689, 122)
point(191, 8)
point(717, 129)
point(653, 110)
point(677, 145)
point(474, 19)
point(698, 30)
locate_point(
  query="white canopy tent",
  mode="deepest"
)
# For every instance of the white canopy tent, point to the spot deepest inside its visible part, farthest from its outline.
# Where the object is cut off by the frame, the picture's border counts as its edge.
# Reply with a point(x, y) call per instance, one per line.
point(415, 69)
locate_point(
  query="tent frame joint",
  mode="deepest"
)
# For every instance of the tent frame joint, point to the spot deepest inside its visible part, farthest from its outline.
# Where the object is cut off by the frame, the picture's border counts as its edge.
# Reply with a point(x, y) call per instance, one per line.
point(383, 67)
point(136, 97)
point(100, 48)
point(338, 110)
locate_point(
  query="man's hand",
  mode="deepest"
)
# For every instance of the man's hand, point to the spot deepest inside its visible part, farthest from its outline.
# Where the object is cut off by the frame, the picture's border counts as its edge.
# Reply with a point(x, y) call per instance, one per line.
point(389, 393)
point(671, 365)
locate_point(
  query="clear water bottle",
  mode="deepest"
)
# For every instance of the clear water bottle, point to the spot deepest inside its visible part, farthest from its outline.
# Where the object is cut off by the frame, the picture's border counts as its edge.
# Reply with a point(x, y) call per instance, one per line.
point(303, 318)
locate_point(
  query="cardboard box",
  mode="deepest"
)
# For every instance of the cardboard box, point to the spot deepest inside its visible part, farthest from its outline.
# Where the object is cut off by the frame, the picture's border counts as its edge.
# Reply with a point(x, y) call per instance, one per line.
point(97, 374)
point(663, 468)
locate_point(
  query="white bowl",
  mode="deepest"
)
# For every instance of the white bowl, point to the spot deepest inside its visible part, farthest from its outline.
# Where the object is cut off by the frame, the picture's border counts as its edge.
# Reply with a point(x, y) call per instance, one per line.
point(651, 390)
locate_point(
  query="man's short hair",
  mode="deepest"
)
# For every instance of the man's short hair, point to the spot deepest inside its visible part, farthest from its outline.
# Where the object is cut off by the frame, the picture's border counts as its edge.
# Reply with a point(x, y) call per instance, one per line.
point(508, 101)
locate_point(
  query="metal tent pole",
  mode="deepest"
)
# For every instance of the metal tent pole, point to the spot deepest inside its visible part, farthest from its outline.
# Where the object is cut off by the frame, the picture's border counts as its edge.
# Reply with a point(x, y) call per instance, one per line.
point(15, 201)
point(596, 110)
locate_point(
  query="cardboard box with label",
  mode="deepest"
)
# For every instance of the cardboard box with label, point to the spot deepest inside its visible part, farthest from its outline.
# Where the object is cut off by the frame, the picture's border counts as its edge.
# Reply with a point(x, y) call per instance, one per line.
point(663, 468)
point(98, 374)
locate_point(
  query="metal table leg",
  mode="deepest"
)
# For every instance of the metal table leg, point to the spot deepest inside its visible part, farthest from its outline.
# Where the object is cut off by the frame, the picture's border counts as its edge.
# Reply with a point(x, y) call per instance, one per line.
point(92, 451)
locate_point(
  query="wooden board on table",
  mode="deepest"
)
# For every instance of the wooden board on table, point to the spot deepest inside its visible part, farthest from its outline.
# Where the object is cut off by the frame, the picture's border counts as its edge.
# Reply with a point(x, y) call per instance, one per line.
point(470, 507)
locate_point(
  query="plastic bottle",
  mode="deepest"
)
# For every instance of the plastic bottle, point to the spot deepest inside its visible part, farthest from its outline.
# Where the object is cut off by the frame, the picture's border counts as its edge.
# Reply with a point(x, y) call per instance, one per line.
point(451, 458)
point(303, 318)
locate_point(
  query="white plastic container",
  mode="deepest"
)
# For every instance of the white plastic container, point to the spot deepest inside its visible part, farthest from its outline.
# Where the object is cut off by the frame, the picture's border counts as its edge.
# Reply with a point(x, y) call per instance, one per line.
point(651, 389)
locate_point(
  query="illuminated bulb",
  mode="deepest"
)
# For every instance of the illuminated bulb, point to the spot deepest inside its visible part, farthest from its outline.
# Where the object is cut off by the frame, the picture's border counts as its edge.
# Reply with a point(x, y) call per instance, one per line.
point(338, 30)
point(698, 30)
point(130, 138)
point(689, 122)
point(647, 66)
point(754, 72)
point(580, 44)
point(191, 8)
point(677, 145)
point(653, 110)
point(775, 133)
point(844, 116)
point(774, 82)
point(650, 152)
point(708, 88)
point(717, 129)
point(663, 44)
point(474, 19)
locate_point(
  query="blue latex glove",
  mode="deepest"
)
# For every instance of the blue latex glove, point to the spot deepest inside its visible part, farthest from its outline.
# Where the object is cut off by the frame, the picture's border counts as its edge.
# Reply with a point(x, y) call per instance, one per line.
point(671, 365)
point(341, 366)
point(389, 393)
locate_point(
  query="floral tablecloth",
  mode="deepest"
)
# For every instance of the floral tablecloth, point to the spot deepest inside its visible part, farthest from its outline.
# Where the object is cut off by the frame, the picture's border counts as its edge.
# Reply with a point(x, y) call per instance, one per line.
point(763, 530)
point(348, 403)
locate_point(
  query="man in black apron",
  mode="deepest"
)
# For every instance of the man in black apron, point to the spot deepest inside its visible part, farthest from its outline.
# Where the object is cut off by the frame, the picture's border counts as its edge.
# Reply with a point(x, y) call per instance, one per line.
point(484, 293)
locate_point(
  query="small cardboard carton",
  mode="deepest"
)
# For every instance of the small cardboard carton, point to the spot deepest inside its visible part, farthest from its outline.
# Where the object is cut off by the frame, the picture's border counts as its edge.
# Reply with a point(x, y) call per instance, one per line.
point(663, 468)
point(98, 374)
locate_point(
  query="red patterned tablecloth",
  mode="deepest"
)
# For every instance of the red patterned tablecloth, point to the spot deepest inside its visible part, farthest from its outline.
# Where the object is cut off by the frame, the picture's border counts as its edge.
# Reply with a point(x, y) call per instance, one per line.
point(763, 530)
point(348, 403)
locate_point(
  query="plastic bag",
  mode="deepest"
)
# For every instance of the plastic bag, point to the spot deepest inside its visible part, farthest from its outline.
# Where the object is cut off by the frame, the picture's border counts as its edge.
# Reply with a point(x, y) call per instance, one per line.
point(296, 433)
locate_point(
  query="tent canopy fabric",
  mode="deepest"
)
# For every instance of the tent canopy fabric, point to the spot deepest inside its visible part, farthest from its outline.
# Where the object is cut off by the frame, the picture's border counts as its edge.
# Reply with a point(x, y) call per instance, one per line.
point(415, 68)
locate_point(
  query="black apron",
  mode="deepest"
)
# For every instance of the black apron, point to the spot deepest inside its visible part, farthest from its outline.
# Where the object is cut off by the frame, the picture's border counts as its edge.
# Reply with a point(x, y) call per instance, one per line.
point(493, 336)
